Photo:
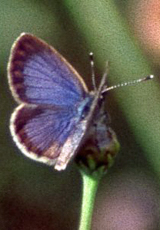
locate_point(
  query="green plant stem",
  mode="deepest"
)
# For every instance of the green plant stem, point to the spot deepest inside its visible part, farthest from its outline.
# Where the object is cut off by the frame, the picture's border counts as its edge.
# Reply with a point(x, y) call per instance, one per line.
point(90, 185)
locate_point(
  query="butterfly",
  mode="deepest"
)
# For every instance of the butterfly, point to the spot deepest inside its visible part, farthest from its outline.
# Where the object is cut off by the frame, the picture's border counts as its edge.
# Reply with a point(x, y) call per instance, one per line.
point(55, 107)
point(56, 111)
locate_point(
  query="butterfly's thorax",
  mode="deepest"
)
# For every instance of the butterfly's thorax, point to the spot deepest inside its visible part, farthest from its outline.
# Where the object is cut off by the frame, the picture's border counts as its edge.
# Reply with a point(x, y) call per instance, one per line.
point(99, 123)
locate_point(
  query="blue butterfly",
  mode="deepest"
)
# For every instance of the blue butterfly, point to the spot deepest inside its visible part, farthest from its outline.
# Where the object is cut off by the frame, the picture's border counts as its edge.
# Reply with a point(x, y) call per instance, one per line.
point(56, 111)
point(55, 107)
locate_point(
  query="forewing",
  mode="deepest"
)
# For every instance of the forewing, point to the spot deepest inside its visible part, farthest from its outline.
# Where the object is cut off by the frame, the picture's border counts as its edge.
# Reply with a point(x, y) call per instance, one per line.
point(38, 74)
point(41, 131)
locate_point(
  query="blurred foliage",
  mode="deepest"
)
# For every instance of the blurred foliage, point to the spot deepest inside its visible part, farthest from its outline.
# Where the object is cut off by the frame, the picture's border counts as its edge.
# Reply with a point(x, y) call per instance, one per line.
point(32, 195)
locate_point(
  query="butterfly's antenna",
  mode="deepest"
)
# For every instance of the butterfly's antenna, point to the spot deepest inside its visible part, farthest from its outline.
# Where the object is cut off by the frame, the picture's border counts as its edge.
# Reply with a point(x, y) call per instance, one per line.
point(128, 83)
point(92, 71)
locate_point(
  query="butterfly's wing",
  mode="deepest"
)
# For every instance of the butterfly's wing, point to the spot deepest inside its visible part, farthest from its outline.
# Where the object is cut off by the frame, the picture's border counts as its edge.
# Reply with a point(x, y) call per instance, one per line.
point(50, 92)
point(41, 131)
point(71, 144)
point(38, 74)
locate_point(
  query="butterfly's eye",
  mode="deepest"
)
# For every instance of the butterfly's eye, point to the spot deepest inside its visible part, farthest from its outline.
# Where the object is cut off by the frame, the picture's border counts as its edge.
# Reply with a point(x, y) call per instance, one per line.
point(85, 111)
point(84, 108)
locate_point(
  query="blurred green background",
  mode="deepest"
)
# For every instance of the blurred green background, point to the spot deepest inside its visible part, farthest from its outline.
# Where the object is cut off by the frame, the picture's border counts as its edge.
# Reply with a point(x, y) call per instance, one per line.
point(33, 195)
